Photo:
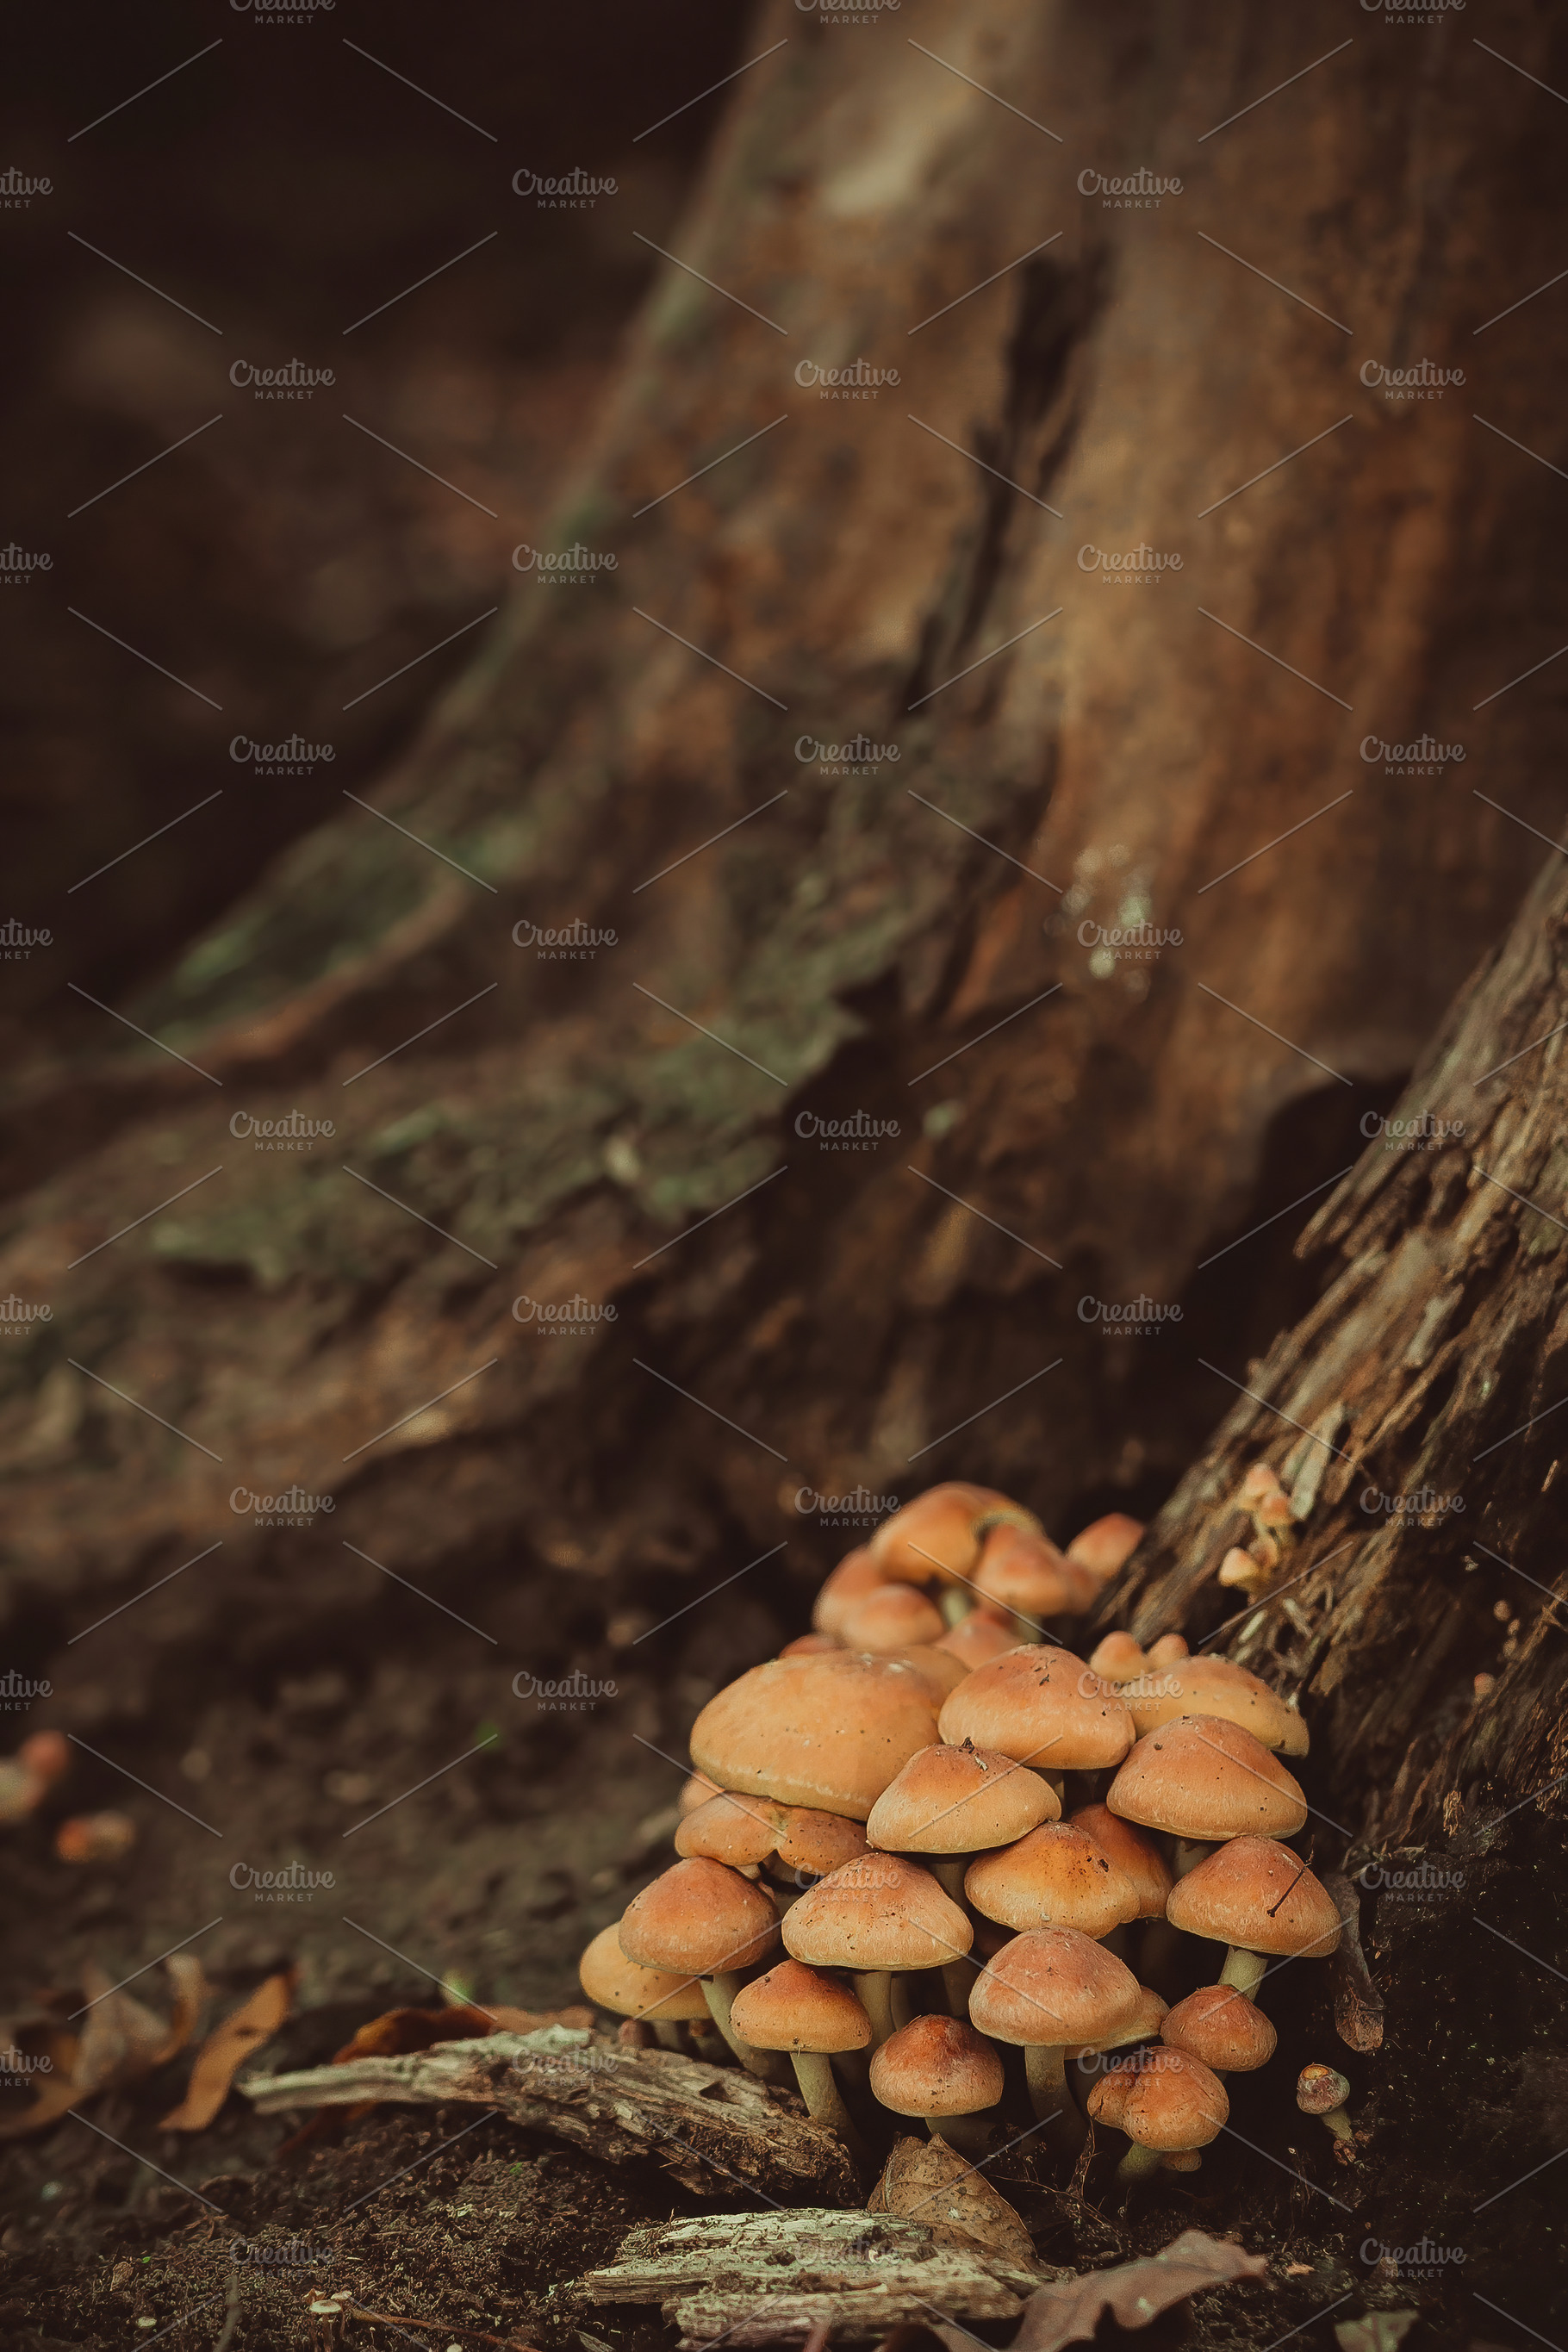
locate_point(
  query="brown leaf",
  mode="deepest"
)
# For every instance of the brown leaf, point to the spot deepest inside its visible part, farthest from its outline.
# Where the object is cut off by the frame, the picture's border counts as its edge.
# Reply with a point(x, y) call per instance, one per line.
point(925, 2180)
point(398, 2031)
point(120, 2041)
point(226, 2050)
point(1069, 2310)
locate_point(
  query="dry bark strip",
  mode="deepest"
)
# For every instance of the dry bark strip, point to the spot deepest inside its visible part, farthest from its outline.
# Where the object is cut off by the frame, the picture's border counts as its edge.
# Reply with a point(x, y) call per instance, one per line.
point(769, 2278)
point(709, 2126)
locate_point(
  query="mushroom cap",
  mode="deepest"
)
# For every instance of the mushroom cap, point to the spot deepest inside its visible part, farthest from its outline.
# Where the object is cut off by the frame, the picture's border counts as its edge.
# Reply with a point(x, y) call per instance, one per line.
point(795, 2008)
point(809, 1645)
point(1026, 1572)
point(937, 1668)
point(936, 2066)
point(939, 1533)
point(1168, 1649)
point(1117, 1659)
point(1055, 1877)
point(1202, 1777)
point(879, 1912)
point(978, 1638)
point(700, 1917)
point(1133, 1851)
point(1173, 2102)
point(827, 1732)
point(1181, 2159)
point(1320, 2089)
point(1108, 2096)
point(739, 1830)
point(1053, 1987)
point(696, 1789)
point(890, 1618)
point(1106, 1545)
point(1141, 2026)
point(1257, 1894)
point(855, 1575)
point(1220, 1688)
point(817, 1843)
point(611, 1981)
point(1223, 2028)
point(1042, 1706)
point(960, 1801)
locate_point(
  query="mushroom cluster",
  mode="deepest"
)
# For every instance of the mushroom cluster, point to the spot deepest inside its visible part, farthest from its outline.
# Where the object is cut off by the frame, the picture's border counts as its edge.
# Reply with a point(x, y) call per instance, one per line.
point(926, 1835)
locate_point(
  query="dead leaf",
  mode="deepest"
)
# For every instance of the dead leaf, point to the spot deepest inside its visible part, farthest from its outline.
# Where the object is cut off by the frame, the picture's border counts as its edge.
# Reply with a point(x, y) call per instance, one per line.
point(1380, 2331)
point(1069, 2310)
point(925, 2180)
point(226, 2050)
point(120, 2041)
point(399, 2032)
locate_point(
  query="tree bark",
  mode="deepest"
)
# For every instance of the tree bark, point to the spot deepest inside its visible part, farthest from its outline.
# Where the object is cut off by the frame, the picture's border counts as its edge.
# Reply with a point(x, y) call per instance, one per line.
point(875, 942)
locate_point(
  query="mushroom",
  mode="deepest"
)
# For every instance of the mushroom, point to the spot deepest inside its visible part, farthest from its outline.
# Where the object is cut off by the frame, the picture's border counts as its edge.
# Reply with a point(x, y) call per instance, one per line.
point(1136, 1854)
point(938, 2067)
point(1057, 1876)
point(1051, 1989)
point(1256, 1897)
point(1117, 1659)
point(663, 1999)
point(1041, 1706)
point(939, 1533)
point(1028, 1577)
point(827, 1732)
point(978, 1637)
point(890, 1618)
point(812, 2016)
point(793, 1840)
point(1166, 2103)
point(873, 1917)
point(1216, 1686)
point(1246, 1572)
point(810, 1645)
point(1222, 2027)
point(949, 1803)
point(1202, 1779)
point(937, 1666)
point(702, 1921)
point(1168, 1649)
point(695, 1791)
point(855, 1576)
point(1321, 2091)
point(1106, 1545)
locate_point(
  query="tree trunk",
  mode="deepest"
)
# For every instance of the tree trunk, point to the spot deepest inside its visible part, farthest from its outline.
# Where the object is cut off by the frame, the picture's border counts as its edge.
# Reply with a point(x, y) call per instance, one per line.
point(1061, 1120)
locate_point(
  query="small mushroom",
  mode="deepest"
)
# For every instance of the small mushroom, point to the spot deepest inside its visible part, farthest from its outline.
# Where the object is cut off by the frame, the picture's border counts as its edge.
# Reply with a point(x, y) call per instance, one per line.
point(1117, 1658)
point(938, 1534)
point(1256, 1896)
point(812, 2017)
point(979, 1637)
point(1222, 2027)
point(1168, 1649)
point(938, 2067)
point(890, 1618)
point(1323, 2091)
point(656, 1999)
point(703, 1920)
point(875, 1917)
point(1051, 1989)
point(1107, 1543)
point(855, 1575)
point(1057, 1876)
point(1171, 2105)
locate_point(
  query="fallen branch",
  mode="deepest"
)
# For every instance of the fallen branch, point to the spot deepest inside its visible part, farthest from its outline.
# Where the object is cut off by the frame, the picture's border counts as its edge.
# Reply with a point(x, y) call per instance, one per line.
point(772, 2278)
point(703, 2123)
point(1358, 2004)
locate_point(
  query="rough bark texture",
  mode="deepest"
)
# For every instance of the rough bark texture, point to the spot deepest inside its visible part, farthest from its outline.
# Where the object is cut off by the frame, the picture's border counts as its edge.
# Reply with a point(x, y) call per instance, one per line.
point(711, 2127)
point(1112, 1115)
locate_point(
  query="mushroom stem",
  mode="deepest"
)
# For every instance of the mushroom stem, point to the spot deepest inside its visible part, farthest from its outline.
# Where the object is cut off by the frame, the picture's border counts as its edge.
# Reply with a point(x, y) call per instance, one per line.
point(719, 1992)
point(1027, 1629)
point(814, 2072)
point(955, 1604)
point(956, 1979)
point(1243, 1970)
point(667, 2035)
point(1138, 2161)
point(1337, 2120)
point(873, 1989)
point(1190, 1852)
point(902, 2001)
point(1048, 2092)
point(947, 1870)
point(970, 2135)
